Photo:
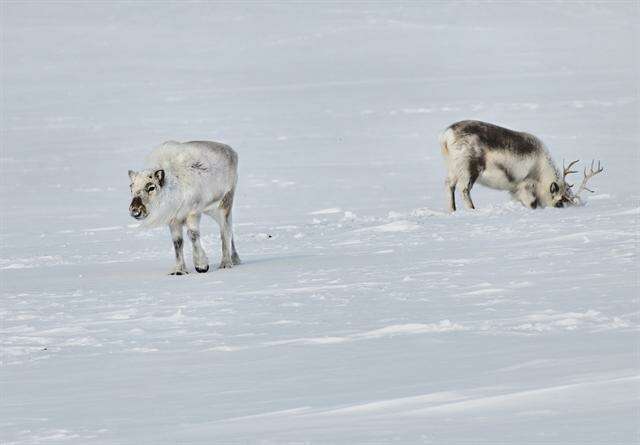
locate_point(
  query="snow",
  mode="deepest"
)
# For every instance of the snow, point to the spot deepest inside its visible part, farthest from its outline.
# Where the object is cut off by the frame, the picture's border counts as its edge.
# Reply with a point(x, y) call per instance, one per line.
point(362, 312)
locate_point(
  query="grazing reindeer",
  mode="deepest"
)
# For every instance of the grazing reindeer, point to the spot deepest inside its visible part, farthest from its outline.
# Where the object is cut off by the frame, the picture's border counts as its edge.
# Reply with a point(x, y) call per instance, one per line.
point(504, 159)
point(185, 181)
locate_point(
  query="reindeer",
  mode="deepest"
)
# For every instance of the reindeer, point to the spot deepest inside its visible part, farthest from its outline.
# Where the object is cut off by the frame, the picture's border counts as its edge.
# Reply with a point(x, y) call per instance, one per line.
point(509, 160)
point(184, 181)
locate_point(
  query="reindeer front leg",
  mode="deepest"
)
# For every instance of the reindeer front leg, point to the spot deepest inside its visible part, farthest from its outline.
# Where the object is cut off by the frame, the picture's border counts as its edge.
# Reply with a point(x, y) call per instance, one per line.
point(176, 236)
point(200, 260)
point(526, 194)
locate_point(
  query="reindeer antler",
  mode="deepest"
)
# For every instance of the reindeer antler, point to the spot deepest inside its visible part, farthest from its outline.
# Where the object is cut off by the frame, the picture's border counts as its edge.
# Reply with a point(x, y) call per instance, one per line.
point(570, 196)
point(588, 175)
point(567, 170)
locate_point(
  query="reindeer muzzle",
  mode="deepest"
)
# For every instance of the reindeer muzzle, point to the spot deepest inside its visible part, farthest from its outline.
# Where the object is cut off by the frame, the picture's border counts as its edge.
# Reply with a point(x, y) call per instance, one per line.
point(137, 208)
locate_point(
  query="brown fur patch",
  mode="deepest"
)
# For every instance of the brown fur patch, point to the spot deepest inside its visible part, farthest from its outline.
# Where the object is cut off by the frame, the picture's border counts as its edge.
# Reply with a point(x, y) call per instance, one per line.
point(227, 202)
point(444, 148)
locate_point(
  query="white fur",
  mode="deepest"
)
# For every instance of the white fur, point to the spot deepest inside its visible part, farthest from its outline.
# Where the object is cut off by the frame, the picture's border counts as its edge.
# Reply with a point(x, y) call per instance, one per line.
point(187, 189)
point(197, 177)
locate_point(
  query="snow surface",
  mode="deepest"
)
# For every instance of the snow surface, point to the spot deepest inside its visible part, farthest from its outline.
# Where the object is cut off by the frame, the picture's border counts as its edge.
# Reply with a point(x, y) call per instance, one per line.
point(362, 312)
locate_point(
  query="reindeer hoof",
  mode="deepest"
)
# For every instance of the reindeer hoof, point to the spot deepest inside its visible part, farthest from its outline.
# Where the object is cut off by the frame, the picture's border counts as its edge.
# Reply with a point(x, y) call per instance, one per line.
point(179, 272)
point(236, 260)
point(226, 265)
point(202, 269)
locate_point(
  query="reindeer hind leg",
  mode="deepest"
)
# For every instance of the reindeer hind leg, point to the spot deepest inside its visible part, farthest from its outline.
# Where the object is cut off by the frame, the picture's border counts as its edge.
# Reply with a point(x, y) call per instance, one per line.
point(223, 215)
point(450, 192)
point(227, 206)
point(466, 181)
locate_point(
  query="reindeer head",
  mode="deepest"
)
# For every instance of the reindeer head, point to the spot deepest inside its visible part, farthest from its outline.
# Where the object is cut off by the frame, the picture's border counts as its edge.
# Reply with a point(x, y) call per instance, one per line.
point(551, 194)
point(569, 196)
point(145, 187)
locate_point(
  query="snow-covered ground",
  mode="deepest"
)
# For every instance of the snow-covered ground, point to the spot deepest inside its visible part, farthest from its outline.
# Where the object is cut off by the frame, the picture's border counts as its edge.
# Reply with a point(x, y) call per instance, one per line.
point(362, 312)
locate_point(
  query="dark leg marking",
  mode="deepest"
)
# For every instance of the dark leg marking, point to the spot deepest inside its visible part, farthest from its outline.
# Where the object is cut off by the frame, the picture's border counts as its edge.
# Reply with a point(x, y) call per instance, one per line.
point(234, 254)
point(177, 245)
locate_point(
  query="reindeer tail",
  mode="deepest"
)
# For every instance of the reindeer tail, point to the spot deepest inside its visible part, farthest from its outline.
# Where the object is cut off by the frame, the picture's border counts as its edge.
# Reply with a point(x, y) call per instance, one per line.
point(443, 143)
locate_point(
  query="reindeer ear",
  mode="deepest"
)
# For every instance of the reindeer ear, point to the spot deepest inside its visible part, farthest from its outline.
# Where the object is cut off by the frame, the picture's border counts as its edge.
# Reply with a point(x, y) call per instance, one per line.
point(132, 174)
point(554, 187)
point(159, 175)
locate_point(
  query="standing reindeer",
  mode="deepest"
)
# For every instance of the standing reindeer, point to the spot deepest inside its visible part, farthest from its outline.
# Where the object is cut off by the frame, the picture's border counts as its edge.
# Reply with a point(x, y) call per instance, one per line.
point(184, 181)
point(509, 160)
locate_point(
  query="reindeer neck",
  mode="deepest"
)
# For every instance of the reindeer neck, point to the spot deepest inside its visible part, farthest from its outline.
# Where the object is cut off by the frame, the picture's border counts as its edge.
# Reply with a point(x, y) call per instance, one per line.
point(548, 171)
